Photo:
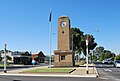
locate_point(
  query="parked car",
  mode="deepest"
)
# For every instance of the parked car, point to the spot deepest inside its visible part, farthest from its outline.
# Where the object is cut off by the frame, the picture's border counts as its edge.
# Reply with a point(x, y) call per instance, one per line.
point(107, 61)
point(117, 63)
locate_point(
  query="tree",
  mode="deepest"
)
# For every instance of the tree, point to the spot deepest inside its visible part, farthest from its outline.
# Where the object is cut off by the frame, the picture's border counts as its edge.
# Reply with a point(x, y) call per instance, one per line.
point(106, 55)
point(99, 51)
point(0, 59)
point(102, 57)
point(117, 57)
point(113, 56)
point(94, 57)
point(8, 57)
point(75, 37)
point(91, 43)
point(79, 41)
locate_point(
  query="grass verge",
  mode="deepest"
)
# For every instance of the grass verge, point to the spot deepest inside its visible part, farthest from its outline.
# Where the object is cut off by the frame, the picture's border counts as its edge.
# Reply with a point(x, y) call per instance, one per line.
point(2, 65)
point(50, 70)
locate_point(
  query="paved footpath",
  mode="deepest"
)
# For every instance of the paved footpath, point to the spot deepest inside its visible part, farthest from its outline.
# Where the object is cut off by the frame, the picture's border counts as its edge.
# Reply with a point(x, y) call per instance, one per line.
point(79, 72)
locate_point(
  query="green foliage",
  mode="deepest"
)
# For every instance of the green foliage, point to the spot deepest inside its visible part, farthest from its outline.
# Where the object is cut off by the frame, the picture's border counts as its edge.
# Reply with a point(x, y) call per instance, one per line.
point(37, 59)
point(107, 54)
point(79, 41)
point(103, 54)
point(117, 57)
point(8, 57)
point(94, 57)
point(75, 35)
point(91, 43)
point(47, 57)
point(0, 59)
point(102, 57)
point(99, 51)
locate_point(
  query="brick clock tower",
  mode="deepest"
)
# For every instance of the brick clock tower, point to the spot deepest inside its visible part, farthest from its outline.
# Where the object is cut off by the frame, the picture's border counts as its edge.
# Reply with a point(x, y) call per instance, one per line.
point(64, 55)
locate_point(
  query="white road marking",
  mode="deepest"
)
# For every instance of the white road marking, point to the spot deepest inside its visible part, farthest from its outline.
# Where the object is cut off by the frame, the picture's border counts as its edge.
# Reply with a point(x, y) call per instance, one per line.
point(105, 69)
point(104, 78)
point(108, 70)
point(117, 79)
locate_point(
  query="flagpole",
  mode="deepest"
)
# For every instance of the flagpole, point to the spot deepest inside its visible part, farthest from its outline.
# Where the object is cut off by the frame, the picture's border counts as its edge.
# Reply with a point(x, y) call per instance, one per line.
point(50, 24)
point(50, 41)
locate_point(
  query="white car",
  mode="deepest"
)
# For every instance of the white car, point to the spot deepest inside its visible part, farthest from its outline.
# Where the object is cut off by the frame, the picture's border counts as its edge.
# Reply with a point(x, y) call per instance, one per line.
point(117, 63)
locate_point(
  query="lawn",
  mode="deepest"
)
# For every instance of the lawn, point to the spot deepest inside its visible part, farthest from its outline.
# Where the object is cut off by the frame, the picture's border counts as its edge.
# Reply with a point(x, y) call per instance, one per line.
point(50, 70)
point(1, 65)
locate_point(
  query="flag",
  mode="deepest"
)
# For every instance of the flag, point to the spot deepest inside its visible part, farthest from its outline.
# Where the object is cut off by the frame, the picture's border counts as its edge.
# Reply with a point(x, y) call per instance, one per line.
point(50, 17)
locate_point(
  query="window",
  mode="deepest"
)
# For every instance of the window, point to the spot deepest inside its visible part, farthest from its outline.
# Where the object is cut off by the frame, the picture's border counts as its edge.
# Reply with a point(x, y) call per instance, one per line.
point(62, 57)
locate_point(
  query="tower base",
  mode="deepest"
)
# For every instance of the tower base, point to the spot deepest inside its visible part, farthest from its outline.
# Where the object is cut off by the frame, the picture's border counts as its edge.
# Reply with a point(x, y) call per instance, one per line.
point(63, 58)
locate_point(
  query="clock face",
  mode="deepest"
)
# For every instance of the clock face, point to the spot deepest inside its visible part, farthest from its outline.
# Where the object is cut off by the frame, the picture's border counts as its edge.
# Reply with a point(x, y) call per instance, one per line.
point(63, 24)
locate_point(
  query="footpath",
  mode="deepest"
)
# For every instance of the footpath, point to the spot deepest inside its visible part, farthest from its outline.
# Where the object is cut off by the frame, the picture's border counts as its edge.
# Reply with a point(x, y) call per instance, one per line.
point(78, 72)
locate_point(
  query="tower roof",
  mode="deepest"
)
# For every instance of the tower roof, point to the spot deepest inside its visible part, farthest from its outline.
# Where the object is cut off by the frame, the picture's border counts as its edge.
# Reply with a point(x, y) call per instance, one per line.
point(64, 16)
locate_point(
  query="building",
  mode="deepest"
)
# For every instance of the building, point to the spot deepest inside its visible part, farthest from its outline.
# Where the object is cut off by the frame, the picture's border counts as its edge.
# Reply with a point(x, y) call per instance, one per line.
point(23, 57)
point(39, 57)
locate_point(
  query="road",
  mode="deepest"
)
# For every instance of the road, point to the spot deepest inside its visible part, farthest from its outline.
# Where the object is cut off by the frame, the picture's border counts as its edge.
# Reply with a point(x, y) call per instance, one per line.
point(25, 78)
point(108, 72)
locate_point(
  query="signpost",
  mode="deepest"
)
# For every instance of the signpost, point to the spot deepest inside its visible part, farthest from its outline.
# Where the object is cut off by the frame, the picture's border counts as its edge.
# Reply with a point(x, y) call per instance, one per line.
point(87, 55)
point(5, 59)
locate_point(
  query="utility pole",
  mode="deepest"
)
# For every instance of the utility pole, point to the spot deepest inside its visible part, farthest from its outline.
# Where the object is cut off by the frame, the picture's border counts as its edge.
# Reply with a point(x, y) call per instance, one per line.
point(5, 71)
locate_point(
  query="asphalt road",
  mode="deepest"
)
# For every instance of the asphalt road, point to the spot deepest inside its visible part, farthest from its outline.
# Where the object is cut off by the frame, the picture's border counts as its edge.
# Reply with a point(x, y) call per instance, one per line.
point(108, 72)
point(25, 78)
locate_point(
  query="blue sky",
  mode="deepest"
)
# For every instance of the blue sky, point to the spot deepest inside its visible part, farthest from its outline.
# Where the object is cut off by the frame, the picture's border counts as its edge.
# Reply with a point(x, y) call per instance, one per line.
point(24, 24)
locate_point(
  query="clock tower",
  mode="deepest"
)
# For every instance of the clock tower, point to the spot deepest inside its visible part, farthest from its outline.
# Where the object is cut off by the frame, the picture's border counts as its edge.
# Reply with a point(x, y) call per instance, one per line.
point(64, 55)
point(63, 33)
